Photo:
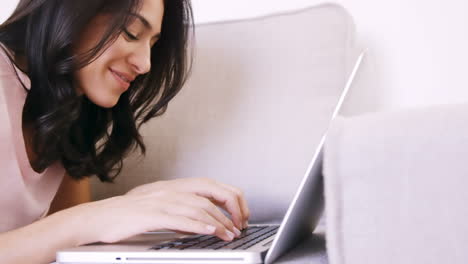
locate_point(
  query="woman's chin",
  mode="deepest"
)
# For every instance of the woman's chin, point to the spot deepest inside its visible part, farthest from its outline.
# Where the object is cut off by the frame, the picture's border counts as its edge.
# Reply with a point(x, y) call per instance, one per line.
point(108, 101)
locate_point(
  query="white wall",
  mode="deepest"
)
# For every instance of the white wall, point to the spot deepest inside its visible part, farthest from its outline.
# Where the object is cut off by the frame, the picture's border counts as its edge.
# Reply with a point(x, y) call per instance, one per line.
point(6, 8)
point(419, 47)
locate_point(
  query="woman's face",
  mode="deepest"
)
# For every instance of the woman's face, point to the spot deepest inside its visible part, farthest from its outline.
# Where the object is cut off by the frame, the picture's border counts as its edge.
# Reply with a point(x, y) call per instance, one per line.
point(110, 75)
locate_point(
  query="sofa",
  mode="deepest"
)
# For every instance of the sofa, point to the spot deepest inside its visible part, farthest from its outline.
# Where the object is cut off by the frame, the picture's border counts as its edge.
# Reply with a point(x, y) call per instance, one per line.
point(395, 187)
point(260, 97)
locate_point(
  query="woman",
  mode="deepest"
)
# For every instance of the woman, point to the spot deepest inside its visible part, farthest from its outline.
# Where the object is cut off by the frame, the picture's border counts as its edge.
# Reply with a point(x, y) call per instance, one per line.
point(77, 80)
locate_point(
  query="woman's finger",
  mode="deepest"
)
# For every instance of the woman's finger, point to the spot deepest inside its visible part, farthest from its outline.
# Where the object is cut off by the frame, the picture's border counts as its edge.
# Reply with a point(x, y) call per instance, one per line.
point(212, 209)
point(223, 197)
point(212, 190)
point(184, 224)
point(199, 214)
point(243, 204)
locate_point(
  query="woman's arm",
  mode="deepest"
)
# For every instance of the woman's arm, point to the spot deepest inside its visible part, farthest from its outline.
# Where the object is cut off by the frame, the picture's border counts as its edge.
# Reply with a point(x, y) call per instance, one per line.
point(39, 242)
point(184, 205)
point(70, 193)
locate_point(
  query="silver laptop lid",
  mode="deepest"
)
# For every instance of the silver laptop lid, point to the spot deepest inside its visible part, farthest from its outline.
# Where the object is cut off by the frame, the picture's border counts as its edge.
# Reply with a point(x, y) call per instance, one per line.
point(307, 206)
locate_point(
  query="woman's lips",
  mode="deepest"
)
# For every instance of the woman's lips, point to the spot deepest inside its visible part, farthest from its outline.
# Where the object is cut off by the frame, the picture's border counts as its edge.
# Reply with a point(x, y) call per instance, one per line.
point(121, 79)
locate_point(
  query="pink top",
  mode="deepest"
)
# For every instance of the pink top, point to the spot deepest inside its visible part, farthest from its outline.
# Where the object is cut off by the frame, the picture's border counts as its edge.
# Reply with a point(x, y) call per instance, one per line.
point(25, 195)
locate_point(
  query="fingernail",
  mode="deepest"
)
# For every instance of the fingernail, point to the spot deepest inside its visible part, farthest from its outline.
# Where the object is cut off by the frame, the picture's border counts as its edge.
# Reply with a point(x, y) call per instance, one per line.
point(246, 224)
point(230, 234)
point(211, 228)
point(237, 232)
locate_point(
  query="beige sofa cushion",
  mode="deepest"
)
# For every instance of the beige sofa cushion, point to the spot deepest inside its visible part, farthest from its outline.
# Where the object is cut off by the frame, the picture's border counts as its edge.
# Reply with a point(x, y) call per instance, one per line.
point(252, 113)
point(395, 187)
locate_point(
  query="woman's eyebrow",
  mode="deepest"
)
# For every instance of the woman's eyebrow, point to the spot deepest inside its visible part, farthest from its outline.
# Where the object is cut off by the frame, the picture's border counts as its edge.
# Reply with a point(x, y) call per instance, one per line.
point(145, 23)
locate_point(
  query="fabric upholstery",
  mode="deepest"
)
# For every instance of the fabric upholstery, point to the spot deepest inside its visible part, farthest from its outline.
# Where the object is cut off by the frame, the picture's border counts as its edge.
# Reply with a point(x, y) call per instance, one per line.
point(395, 186)
point(259, 99)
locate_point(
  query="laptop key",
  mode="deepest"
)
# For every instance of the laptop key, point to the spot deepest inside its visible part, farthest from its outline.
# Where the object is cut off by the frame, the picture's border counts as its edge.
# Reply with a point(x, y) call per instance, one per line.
point(217, 245)
point(238, 242)
point(248, 237)
point(181, 246)
point(163, 246)
point(204, 244)
point(233, 244)
point(252, 230)
point(257, 240)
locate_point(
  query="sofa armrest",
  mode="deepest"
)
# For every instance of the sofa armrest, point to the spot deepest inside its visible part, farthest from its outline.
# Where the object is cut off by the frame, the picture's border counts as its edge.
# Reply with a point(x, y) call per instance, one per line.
point(395, 186)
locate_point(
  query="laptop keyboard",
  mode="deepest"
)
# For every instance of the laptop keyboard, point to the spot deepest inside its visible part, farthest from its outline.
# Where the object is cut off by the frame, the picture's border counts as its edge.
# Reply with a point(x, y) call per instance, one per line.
point(248, 238)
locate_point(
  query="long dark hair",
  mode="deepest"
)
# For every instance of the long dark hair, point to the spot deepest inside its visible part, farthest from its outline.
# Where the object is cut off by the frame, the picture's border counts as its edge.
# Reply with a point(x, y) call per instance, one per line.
point(88, 139)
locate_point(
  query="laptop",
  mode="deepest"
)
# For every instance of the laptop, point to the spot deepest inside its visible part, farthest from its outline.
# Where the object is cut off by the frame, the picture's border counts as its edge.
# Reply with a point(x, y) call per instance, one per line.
point(257, 243)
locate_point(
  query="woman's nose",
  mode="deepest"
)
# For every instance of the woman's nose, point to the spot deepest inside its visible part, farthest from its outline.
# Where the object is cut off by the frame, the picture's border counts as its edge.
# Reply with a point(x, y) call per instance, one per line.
point(140, 60)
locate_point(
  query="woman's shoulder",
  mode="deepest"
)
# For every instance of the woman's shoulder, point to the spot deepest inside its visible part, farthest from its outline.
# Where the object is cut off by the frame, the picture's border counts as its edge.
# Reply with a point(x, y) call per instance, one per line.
point(6, 64)
point(4, 76)
point(10, 78)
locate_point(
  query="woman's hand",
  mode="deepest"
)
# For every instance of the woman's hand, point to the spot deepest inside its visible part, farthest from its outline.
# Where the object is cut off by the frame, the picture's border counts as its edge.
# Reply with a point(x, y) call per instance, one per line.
point(182, 205)
point(228, 197)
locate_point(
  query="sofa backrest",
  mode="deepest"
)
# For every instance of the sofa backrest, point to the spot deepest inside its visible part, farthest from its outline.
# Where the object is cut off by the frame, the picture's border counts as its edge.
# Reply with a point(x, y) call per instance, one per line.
point(259, 99)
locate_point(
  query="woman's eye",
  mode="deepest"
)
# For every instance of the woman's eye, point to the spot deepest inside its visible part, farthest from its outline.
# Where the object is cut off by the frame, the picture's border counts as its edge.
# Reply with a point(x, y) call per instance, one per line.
point(130, 35)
